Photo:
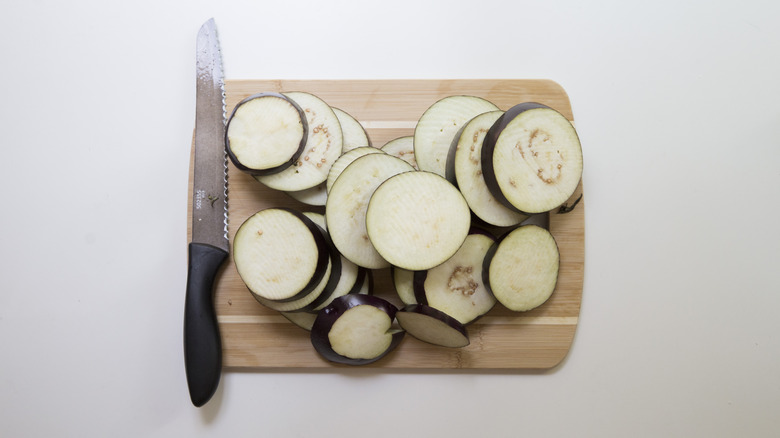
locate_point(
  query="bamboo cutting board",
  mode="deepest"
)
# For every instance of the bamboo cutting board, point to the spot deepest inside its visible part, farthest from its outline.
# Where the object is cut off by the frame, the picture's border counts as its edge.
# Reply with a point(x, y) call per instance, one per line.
point(254, 337)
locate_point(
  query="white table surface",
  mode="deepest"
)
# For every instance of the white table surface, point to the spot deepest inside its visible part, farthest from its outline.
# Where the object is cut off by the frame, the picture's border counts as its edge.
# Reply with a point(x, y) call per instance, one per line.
point(677, 107)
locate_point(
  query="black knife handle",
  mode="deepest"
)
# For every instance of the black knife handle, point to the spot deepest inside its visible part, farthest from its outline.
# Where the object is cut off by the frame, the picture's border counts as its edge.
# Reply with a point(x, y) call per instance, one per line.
point(202, 342)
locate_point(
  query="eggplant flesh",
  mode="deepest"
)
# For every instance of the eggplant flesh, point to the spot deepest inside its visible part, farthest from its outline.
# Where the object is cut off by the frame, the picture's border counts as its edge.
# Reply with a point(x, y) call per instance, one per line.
point(403, 283)
point(417, 220)
point(265, 134)
point(353, 133)
point(303, 320)
point(403, 148)
point(315, 196)
point(456, 286)
point(311, 299)
point(345, 160)
point(521, 268)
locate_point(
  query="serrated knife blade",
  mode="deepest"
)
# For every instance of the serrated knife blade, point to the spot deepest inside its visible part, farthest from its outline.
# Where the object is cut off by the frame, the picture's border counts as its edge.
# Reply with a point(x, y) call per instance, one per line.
point(208, 249)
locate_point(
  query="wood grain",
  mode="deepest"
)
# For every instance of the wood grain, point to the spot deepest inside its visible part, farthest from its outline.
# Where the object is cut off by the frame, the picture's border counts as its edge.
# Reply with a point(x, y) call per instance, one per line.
point(255, 337)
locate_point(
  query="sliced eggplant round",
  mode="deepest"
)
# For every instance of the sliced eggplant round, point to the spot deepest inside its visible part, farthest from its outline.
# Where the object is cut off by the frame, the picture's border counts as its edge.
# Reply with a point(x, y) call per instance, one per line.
point(456, 287)
point(417, 220)
point(356, 330)
point(323, 146)
point(345, 160)
point(354, 134)
point(403, 148)
point(521, 268)
point(315, 196)
point(532, 158)
point(266, 134)
point(303, 320)
point(280, 254)
point(437, 126)
point(345, 211)
point(464, 168)
point(403, 282)
point(320, 294)
point(432, 326)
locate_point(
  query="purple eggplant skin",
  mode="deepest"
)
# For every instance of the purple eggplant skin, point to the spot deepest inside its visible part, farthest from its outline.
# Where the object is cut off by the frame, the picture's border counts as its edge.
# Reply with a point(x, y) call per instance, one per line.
point(262, 172)
point(419, 277)
point(486, 263)
point(418, 286)
point(328, 316)
point(362, 276)
point(426, 310)
point(489, 144)
point(322, 262)
point(449, 166)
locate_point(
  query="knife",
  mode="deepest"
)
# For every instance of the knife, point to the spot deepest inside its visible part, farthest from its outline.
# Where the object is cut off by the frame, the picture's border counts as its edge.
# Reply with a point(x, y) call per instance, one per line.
point(209, 246)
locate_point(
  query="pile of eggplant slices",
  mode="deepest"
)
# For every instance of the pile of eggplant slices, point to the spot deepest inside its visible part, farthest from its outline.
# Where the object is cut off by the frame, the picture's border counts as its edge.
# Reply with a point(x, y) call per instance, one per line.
point(419, 205)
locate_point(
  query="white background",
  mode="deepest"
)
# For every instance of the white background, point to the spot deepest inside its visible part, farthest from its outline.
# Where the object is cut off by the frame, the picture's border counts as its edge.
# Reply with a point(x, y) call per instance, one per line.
point(677, 105)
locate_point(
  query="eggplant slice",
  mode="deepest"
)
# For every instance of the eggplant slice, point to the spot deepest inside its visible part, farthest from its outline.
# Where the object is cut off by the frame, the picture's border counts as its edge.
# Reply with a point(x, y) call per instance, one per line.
point(403, 283)
point(521, 268)
point(318, 295)
point(354, 134)
point(417, 220)
point(432, 326)
point(532, 158)
point(403, 148)
point(345, 211)
point(345, 160)
point(303, 320)
point(315, 196)
point(464, 167)
point(323, 147)
point(456, 286)
point(280, 254)
point(356, 330)
point(266, 134)
point(437, 127)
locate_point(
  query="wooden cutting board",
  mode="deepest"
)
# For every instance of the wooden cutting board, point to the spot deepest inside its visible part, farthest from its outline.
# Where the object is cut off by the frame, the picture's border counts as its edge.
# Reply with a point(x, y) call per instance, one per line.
point(255, 337)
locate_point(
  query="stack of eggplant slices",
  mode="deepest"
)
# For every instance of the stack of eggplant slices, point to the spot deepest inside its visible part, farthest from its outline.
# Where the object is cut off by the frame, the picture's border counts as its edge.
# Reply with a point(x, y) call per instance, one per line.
point(420, 205)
